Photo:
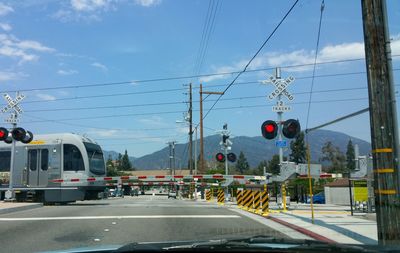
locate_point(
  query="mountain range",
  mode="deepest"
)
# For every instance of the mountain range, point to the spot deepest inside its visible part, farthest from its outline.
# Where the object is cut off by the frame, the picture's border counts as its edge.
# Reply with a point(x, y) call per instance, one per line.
point(255, 149)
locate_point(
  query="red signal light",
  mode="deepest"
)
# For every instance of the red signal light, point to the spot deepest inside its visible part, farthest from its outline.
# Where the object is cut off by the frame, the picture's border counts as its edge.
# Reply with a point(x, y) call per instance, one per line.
point(269, 129)
point(220, 157)
point(3, 133)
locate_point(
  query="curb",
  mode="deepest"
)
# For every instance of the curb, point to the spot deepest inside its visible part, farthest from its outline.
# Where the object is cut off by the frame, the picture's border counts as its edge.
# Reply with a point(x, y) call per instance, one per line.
point(20, 208)
point(302, 230)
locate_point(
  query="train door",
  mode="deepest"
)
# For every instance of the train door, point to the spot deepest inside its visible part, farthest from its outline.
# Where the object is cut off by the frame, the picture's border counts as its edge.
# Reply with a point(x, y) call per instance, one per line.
point(38, 164)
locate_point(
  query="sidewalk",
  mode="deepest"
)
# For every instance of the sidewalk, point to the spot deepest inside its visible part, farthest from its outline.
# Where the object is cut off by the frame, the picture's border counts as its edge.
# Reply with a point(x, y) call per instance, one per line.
point(9, 207)
point(332, 223)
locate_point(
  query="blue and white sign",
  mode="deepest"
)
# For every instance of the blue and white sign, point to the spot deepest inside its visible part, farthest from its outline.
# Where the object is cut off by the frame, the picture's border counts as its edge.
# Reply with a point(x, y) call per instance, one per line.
point(281, 144)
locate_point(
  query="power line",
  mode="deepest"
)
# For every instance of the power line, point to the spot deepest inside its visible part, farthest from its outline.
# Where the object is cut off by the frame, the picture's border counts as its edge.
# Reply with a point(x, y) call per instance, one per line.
point(254, 56)
point(180, 89)
point(315, 61)
point(182, 77)
point(175, 112)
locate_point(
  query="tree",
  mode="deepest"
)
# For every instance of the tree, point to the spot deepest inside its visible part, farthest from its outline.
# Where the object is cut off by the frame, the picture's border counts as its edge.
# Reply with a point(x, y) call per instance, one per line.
point(298, 148)
point(350, 156)
point(259, 170)
point(125, 163)
point(119, 162)
point(242, 165)
point(109, 163)
point(335, 157)
point(273, 165)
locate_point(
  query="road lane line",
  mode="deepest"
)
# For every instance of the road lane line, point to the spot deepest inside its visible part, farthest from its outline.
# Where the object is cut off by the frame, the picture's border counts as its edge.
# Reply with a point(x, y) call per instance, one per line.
point(124, 217)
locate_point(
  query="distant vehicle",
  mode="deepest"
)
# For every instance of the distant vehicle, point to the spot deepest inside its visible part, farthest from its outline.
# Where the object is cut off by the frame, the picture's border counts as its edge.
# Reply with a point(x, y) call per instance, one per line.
point(318, 198)
point(54, 156)
point(134, 192)
point(172, 194)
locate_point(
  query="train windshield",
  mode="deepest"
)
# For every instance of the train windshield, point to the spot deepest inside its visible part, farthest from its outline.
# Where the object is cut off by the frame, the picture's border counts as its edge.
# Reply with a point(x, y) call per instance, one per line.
point(96, 159)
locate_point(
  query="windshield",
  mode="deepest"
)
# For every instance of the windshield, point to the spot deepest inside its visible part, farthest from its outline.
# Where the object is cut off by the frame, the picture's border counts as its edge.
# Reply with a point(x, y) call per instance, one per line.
point(126, 121)
point(96, 159)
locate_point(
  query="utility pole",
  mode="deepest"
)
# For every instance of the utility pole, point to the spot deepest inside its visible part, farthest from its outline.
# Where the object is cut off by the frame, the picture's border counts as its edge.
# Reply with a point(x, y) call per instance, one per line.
point(201, 131)
point(202, 169)
point(190, 131)
point(171, 145)
point(383, 120)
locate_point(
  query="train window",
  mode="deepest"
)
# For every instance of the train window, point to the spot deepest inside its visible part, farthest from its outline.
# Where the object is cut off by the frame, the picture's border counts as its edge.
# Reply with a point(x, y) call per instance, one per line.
point(5, 159)
point(32, 159)
point(44, 161)
point(73, 160)
point(96, 159)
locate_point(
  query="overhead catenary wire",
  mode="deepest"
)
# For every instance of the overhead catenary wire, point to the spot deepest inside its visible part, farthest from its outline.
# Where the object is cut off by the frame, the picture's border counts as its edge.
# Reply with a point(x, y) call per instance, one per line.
point(254, 56)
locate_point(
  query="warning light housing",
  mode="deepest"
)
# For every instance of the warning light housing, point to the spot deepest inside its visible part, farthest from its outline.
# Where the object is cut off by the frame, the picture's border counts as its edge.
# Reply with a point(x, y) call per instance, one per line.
point(231, 157)
point(3, 133)
point(28, 137)
point(291, 128)
point(220, 157)
point(18, 134)
point(269, 129)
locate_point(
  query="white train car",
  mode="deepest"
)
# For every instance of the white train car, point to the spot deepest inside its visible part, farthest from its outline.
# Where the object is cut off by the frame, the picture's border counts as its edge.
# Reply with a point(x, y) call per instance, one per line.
point(49, 157)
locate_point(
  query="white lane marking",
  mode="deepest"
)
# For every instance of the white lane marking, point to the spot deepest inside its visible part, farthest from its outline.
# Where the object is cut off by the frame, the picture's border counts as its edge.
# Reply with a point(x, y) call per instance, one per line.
point(96, 240)
point(124, 217)
point(106, 230)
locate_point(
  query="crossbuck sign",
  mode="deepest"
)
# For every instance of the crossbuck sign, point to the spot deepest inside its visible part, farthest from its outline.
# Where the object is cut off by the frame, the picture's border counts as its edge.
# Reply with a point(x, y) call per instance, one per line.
point(280, 87)
point(12, 104)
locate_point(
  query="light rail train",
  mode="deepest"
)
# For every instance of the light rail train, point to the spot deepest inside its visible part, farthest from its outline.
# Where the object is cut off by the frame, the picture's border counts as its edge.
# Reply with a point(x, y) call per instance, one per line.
point(49, 157)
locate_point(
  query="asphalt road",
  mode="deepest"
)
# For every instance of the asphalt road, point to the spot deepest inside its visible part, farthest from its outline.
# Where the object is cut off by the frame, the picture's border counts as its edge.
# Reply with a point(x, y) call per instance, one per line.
point(120, 221)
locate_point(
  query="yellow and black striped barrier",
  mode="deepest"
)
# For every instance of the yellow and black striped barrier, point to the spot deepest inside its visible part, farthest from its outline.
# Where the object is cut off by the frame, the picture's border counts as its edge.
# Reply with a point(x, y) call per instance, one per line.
point(264, 203)
point(256, 201)
point(239, 198)
point(221, 196)
point(248, 201)
point(208, 195)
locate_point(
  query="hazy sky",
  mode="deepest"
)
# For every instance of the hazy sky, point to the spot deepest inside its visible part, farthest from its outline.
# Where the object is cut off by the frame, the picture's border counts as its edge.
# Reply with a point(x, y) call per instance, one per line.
point(54, 45)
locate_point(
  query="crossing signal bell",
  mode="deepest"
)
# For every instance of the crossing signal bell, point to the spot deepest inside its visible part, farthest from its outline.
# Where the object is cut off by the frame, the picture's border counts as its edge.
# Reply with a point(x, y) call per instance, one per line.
point(291, 128)
point(220, 157)
point(269, 129)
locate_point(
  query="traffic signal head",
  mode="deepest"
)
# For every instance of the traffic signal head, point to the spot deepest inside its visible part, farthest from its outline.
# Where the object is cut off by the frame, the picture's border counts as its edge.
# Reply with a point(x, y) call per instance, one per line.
point(18, 134)
point(220, 157)
point(28, 137)
point(231, 157)
point(269, 129)
point(3, 133)
point(291, 128)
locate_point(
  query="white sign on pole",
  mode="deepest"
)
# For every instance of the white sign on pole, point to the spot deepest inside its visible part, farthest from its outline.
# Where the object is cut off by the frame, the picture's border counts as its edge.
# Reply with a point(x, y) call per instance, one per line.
point(13, 104)
point(280, 87)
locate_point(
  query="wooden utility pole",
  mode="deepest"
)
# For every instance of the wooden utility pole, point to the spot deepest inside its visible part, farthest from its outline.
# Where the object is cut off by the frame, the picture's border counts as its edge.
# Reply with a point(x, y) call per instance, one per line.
point(201, 132)
point(190, 131)
point(383, 119)
point(202, 169)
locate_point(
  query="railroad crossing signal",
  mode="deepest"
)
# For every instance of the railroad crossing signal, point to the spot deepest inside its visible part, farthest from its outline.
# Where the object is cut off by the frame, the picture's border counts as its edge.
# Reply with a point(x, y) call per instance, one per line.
point(17, 134)
point(231, 157)
point(221, 157)
point(280, 87)
point(290, 129)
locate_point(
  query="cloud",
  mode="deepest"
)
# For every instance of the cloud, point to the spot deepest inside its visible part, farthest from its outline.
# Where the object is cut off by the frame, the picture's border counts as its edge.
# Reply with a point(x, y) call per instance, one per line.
point(147, 3)
point(89, 5)
point(9, 76)
point(153, 121)
point(100, 66)
point(45, 97)
point(105, 133)
point(339, 52)
point(5, 9)
point(10, 46)
point(67, 72)
point(5, 27)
